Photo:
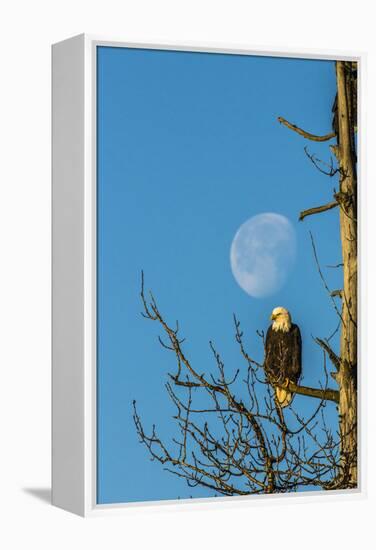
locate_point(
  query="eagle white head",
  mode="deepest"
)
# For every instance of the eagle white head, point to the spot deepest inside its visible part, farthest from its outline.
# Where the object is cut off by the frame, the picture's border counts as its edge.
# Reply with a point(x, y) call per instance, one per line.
point(281, 319)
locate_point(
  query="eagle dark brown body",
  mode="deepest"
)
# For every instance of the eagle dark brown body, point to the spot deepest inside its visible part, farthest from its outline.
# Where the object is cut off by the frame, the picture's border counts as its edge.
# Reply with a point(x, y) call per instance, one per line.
point(283, 359)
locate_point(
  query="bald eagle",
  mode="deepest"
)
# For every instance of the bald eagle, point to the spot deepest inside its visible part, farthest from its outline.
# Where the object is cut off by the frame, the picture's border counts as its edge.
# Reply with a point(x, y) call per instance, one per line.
point(283, 354)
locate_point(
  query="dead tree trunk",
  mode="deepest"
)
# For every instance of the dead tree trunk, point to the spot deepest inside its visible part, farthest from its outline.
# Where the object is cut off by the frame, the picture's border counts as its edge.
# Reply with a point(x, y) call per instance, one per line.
point(347, 199)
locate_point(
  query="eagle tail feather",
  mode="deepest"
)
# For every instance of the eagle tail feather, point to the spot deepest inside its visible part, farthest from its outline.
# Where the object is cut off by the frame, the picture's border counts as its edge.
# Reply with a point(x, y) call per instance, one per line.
point(284, 397)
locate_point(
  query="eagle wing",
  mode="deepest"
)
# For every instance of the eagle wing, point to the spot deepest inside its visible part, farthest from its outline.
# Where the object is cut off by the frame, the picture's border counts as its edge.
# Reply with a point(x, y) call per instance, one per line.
point(295, 369)
point(272, 365)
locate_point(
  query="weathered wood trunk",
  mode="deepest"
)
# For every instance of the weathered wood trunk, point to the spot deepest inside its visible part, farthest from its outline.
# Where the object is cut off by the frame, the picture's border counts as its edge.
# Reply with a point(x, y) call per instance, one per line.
point(347, 199)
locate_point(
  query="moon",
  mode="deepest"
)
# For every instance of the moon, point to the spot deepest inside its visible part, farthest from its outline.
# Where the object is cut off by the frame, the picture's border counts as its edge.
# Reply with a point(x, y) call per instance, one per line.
point(263, 253)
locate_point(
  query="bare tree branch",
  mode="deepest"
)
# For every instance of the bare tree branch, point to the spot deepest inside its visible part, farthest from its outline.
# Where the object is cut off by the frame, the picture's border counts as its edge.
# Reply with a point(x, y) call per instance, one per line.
point(332, 356)
point(305, 134)
point(317, 210)
point(331, 170)
point(327, 394)
point(239, 442)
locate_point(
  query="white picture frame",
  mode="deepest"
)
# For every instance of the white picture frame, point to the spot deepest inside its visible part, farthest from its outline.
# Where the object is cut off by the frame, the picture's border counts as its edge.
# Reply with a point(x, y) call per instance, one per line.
point(74, 274)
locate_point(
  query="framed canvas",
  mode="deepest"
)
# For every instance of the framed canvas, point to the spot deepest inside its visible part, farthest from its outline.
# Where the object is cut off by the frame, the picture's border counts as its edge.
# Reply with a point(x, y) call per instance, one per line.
point(206, 279)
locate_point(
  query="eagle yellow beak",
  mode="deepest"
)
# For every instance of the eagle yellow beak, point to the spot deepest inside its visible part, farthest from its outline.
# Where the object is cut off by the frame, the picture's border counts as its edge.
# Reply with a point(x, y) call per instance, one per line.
point(272, 317)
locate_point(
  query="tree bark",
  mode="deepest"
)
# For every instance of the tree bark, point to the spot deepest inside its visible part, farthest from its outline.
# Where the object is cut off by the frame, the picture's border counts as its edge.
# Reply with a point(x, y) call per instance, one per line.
point(347, 375)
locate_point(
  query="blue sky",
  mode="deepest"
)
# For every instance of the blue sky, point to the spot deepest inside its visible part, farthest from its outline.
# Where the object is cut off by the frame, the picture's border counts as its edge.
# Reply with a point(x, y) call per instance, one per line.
point(189, 148)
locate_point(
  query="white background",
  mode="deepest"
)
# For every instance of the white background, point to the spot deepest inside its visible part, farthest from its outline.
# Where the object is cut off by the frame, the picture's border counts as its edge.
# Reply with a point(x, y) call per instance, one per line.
point(27, 30)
